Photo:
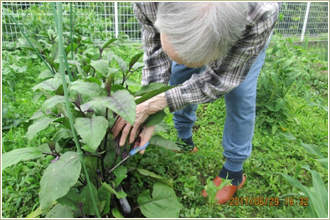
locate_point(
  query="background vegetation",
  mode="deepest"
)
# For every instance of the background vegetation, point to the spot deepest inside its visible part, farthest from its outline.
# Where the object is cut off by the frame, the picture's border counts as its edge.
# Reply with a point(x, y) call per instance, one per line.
point(291, 133)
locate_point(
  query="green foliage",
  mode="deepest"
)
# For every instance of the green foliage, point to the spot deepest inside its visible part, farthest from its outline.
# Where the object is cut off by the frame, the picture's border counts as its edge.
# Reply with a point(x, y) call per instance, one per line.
point(162, 203)
point(284, 152)
point(211, 190)
point(284, 69)
point(58, 178)
point(99, 93)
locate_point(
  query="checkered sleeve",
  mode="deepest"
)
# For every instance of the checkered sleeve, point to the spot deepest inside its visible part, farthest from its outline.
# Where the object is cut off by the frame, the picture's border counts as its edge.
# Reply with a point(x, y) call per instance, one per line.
point(224, 75)
point(157, 63)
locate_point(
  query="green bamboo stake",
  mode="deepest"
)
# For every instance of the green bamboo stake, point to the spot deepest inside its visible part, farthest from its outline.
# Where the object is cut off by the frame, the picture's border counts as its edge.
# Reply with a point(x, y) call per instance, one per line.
point(26, 37)
point(67, 103)
point(65, 58)
point(71, 30)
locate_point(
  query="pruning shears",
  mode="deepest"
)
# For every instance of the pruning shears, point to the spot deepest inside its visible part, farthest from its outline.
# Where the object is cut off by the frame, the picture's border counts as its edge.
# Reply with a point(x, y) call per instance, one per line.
point(131, 153)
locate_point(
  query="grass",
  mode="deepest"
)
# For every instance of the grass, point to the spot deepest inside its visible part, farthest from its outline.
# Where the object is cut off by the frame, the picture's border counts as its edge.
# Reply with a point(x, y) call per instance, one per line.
point(271, 155)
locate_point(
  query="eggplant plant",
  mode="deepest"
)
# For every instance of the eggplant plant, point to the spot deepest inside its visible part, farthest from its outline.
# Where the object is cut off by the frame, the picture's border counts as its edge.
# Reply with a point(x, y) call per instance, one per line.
point(86, 89)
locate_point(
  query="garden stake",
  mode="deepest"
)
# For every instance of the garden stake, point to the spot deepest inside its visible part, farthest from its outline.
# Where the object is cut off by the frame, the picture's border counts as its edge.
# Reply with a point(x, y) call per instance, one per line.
point(67, 103)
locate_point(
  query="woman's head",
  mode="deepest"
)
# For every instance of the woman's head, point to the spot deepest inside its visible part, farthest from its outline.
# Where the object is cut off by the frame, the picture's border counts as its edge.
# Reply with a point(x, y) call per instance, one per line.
point(197, 33)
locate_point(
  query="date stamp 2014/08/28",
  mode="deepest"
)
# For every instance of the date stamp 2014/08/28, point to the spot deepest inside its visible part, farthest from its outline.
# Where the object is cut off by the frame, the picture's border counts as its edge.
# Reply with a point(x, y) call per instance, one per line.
point(268, 201)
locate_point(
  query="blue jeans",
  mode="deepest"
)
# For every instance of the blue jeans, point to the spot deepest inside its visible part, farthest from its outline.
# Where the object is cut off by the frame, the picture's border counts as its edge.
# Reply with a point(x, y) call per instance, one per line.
point(240, 108)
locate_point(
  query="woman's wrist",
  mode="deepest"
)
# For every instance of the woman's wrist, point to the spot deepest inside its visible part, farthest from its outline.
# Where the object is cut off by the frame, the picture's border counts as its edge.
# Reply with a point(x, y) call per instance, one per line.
point(156, 103)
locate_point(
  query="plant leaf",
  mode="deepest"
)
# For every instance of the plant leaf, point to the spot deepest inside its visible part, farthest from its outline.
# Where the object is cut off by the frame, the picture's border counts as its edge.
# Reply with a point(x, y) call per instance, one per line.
point(71, 199)
point(119, 195)
point(320, 192)
point(155, 118)
point(49, 85)
point(152, 93)
point(58, 178)
point(116, 213)
point(108, 43)
point(324, 162)
point(288, 135)
point(158, 140)
point(45, 74)
point(37, 126)
point(91, 130)
point(312, 149)
point(121, 63)
point(149, 88)
point(85, 197)
point(35, 213)
point(122, 103)
point(155, 176)
point(120, 173)
point(17, 155)
point(134, 60)
point(51, 102)
point(162, 204)
point(25, 44)
point(85, 88)
point(60, 211)
point(104, 195)
point(102, 66)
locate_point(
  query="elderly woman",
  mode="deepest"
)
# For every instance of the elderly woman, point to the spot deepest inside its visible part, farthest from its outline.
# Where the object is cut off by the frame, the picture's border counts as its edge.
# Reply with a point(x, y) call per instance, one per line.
point(210, 50)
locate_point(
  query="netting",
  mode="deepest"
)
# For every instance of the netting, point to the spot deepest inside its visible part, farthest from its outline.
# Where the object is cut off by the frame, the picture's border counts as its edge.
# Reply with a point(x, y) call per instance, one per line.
point(102, 20)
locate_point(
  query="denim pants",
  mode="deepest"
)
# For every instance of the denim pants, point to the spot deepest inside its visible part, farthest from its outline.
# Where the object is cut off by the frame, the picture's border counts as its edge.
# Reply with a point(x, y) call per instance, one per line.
point(240, 118)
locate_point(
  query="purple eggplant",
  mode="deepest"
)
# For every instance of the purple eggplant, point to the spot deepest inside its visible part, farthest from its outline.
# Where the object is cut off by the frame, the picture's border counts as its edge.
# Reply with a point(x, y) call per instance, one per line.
point(124, 206)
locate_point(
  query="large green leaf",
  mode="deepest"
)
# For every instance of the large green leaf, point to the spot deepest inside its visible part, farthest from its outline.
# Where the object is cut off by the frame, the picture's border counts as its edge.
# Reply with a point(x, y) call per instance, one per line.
point(312, 149)
point(49, 84)
point(288, 135)
point(102, 66)
point(60, 211)
point(152, 93)
point(134, 60)
point(148, 88)
point(25, 43)
point(122, 103)
point(86, 88)
point(86, 199)
point(91, 130)
point(159, 141)
point(120, 173)
point(314, 209)
point(45, 74)
point(51, 102)
point(121, 62)
point(162, 204)
point(324, 162)
point(320, 192)
point(17, 155)
point(155, 118)
point(109, 42)
point(104, 196)
point(63, 133)
point(71, 199)
point(155, 176)
point(58, 178)
point(38, 125)
point(18, 69)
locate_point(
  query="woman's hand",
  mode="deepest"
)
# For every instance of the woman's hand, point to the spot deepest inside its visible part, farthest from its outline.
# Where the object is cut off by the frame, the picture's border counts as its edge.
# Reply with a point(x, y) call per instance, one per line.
point(143, 111)
point(145, 136)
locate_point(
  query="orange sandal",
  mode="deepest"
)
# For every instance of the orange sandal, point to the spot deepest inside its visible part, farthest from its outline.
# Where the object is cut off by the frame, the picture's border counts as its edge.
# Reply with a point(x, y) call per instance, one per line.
point(224, 194)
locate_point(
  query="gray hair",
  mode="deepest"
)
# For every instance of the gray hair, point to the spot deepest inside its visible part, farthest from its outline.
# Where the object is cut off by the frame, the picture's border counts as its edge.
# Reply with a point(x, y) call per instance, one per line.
point(202, 31)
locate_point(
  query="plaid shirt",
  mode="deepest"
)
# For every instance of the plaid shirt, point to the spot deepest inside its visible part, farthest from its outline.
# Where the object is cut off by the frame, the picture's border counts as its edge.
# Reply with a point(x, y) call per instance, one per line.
point(220, 76)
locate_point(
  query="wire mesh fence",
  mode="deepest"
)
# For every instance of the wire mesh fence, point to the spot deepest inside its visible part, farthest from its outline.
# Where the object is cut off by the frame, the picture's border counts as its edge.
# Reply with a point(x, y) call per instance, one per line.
point(103, 20)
